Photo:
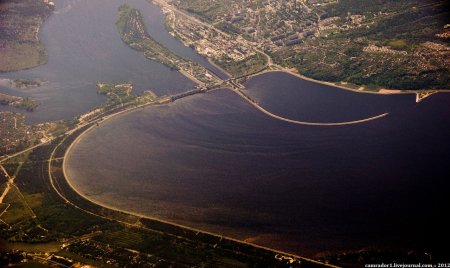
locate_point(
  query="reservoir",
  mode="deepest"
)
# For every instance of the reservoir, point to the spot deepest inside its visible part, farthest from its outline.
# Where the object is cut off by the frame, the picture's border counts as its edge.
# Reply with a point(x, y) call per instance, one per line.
point(214, 162)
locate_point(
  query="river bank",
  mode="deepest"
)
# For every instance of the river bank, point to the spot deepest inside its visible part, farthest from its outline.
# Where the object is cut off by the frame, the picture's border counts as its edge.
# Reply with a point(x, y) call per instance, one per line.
point(343, 85)
point(22, 49)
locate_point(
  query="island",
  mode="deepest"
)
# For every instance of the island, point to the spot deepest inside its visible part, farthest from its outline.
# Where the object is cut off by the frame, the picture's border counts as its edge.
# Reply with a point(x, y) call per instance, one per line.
point(19, 102)
point(27, 83)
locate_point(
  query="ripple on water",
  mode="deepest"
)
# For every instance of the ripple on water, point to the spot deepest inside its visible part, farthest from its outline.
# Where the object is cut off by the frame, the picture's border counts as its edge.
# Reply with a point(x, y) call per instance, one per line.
point(212, 161)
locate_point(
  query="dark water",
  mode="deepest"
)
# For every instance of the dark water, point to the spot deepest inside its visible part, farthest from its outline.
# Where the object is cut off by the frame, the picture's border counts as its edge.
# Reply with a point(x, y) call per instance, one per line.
point(84, 48)
point(294, 98)
point(212, 161)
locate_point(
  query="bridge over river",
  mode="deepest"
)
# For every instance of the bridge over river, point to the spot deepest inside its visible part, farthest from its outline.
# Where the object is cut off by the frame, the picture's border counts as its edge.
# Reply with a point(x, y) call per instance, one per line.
point(239, 89)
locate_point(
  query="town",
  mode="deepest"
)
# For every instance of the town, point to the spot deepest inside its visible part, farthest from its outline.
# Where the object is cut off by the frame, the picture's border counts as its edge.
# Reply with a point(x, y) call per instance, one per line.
point(324, 40)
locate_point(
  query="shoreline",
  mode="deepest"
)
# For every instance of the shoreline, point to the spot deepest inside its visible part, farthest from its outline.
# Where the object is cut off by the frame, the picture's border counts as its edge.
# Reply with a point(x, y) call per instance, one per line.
point(38, 46)
point(101, 204)
point(382, 91)
point(189, 77)
point(216, 65)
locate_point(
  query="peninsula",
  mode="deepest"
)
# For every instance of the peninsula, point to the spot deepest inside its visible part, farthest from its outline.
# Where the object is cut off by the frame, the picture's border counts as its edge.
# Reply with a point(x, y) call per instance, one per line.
point(133, 32)
point(20, 47)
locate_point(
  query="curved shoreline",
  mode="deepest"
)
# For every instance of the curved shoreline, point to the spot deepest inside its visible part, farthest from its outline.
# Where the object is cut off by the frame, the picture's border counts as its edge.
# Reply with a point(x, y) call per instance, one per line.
point(263, 110)
point(112, 116)
point(139, 215)
point(331, 84)
point(105, 119)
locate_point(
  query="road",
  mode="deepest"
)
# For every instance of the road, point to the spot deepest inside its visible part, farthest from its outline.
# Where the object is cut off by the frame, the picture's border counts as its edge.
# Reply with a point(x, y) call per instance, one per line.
point(57, 189)
point(9, 183)
point(6, 157)
point(164, 3)
point(137, 225)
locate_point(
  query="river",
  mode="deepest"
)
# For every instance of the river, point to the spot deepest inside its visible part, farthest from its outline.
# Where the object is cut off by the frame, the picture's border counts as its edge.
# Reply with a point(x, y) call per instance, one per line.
point(84, 48)
point(212, 161)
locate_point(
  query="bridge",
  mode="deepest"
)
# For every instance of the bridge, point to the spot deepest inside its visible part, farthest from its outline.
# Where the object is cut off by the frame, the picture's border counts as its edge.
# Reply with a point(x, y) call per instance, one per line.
point(236, 87)
point(189, 93)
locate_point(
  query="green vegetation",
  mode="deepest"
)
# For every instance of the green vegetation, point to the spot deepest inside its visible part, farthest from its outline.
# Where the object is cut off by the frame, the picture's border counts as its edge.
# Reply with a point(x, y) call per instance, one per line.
point(398, 44)
point(19, 24)
point(19, 102)
point(37, 214)
point(226, 27)
point(133, 32)
point(247, 66)
point(392, 51)
point(26, 83)
point(17, 211)
point(207, 10)
point(8, 99)
point(27, 104)
point(392, 44)
point(117, 94)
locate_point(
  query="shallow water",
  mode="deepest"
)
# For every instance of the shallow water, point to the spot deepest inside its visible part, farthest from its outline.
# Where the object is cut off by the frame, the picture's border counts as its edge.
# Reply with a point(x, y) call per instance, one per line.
point(214, 162)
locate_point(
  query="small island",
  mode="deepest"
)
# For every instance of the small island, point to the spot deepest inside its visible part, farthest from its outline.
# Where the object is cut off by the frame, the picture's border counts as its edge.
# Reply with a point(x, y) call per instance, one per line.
point(19, 102)
point(26, 83)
